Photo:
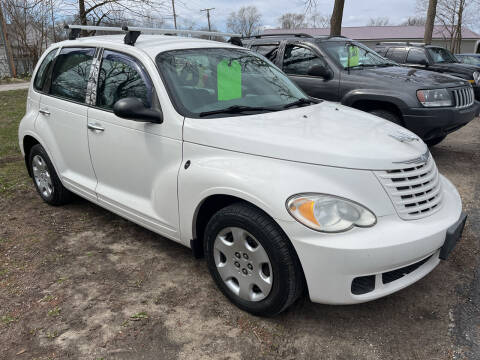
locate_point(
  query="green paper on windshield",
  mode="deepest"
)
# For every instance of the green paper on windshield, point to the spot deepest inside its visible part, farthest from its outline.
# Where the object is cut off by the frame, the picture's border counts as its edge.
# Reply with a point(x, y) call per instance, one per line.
point(229, 80)
point(353, 56)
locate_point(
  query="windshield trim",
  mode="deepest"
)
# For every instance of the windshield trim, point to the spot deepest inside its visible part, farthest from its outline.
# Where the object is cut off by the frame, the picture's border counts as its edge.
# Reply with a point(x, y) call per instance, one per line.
point(178, 106)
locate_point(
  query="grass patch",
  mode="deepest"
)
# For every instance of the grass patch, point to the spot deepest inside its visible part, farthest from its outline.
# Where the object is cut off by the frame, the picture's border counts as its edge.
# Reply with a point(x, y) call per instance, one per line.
point(54, 312)
point(139, 316)
point(13, 175)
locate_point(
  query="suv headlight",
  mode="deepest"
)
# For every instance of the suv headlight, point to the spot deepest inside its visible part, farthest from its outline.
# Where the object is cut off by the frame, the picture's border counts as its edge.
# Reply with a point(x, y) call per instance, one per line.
point(328, 213)
point(435, 98)
point(476, 77)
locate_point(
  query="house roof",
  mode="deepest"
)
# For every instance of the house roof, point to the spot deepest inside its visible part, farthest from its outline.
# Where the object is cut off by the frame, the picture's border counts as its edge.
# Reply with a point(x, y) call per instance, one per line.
point(381, 32)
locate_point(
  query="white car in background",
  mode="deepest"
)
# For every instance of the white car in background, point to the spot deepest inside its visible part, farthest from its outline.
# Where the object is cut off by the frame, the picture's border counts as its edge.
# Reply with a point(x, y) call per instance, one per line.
point(212, 146)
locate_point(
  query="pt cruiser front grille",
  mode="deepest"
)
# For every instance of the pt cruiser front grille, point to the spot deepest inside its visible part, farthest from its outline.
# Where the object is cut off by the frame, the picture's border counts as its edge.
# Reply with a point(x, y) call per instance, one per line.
point(464, 97)
point(415, 191)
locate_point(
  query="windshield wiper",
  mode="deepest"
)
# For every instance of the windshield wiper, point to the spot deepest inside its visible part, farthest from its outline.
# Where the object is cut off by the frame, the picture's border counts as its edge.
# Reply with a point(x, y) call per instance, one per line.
point(301, 101)
point(236, 109)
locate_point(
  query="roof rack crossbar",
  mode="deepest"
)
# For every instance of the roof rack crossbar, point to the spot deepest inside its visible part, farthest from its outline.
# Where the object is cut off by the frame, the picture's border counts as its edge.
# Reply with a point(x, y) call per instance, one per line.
point(133, 32)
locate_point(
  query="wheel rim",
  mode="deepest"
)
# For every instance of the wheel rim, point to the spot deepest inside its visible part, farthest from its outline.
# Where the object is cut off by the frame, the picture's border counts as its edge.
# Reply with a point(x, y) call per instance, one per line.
point(41, 175)
point(243, 264)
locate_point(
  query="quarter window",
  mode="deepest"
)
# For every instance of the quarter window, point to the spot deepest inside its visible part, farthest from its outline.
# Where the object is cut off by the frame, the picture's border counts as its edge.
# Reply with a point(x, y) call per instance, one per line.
point(43, 70)
point(70, 73)
point(267, 50)
point(298, 60)
point(120, 77)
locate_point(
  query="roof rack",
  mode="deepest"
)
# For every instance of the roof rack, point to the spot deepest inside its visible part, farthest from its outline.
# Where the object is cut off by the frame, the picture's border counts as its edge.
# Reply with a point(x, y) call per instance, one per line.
point(279, 34)
point(133, 32)
point(401, 43)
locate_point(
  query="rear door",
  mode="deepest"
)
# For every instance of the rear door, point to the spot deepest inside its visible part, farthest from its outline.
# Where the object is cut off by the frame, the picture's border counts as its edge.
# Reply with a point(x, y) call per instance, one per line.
point(62, 120)
point(136, 163)
point(297, 60)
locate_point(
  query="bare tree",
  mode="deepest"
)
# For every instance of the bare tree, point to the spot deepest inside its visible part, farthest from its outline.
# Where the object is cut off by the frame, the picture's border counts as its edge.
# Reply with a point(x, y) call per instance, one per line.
point(336, 19)
point(414, 21)
point(431, 13)
point(379, 21)
point(292, 21)
point(246, 21)
point(317, 20)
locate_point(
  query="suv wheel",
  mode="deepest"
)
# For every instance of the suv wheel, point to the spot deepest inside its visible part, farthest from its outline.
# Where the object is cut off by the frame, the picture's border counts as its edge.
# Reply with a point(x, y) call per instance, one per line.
point(252, 261)
point(45, 177)
point(435, 141)
point(387, 115)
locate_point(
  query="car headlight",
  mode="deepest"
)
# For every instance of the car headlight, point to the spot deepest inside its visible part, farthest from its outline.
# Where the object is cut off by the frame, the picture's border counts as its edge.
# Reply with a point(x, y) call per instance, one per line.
point(328, 213)
point(435, 98)
point(476, 77)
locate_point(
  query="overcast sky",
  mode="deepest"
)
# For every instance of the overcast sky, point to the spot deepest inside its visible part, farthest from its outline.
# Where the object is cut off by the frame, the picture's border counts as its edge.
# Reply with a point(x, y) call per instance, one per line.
point(356, 13)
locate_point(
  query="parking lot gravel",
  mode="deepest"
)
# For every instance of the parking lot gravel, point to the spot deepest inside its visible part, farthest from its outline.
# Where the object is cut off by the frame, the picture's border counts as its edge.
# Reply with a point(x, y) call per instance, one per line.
point(80, 282)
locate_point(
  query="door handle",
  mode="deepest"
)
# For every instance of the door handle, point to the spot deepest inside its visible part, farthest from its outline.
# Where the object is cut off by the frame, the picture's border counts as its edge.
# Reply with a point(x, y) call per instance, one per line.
point(44, 112)
point(95, 127)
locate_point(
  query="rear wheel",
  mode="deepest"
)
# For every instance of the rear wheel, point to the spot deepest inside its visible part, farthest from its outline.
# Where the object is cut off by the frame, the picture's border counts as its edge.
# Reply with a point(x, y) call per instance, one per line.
point(387, 115)
point(252, 261)
point(45, 178)
point(435, 141)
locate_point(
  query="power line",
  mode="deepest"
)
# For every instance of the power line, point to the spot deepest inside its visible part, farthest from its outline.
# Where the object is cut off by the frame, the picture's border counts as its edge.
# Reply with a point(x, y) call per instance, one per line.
point(208, 17)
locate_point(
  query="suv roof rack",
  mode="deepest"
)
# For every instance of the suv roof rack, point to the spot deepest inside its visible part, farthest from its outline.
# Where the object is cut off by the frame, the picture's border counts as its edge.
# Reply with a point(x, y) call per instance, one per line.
point(133, 32)
point(259, 36)
point(401, 43)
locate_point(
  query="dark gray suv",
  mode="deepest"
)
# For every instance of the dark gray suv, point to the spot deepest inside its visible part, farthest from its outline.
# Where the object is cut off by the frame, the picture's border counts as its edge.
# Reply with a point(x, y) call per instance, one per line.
point(431, 105)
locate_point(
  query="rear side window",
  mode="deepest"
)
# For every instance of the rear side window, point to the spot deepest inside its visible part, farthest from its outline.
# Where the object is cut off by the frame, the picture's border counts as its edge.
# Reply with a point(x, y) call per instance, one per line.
point(416, 56)
point(71, 72)
point(267, 50)
point(298, 60)
point(397, 54)
point(42, 72)
point(121, 76)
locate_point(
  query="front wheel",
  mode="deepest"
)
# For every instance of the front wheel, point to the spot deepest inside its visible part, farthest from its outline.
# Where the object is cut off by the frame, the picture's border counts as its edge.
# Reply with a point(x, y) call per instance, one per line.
point(252, 261)
point(387, 115)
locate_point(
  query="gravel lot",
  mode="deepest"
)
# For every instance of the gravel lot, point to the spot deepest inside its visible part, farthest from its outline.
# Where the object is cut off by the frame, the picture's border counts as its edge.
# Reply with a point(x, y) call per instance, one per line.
point(80, 282)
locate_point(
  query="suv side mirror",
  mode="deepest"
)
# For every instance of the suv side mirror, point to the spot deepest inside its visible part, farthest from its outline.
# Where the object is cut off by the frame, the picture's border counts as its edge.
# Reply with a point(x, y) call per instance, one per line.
point(132, 108)
point(320, 70)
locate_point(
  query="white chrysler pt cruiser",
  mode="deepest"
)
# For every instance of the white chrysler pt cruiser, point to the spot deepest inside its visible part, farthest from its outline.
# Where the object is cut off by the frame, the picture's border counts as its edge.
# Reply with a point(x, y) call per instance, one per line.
point(212, 146)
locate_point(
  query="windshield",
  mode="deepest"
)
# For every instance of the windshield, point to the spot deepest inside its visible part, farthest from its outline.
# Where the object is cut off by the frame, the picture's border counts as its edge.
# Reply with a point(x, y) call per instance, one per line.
point(353, 55)
point(205, 82)
point(441, 55)
point(470, 59)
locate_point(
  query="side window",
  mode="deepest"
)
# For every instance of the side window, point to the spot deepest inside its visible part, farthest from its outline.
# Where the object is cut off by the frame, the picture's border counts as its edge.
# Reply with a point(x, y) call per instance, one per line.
point(42, 72)
point(298, 60)
point(416, 56)
point(122, 76)
point(397, 54)
point(267, 50)
point(70, 73)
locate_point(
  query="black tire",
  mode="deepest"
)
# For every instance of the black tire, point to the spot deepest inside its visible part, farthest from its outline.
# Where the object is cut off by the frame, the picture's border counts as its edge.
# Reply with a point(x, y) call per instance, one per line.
point(435, 141)
point(387, 115)
point(288, 279)
point(59, 194)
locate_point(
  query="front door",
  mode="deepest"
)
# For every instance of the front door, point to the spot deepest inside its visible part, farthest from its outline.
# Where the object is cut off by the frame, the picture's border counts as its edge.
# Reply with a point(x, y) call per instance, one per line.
point(62, 120)
point(135, 163)
point(297, 60)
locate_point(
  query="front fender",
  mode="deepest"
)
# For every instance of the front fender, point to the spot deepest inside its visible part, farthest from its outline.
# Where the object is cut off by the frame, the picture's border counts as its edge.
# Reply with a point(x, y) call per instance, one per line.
point(399, 99)
point(267, 183)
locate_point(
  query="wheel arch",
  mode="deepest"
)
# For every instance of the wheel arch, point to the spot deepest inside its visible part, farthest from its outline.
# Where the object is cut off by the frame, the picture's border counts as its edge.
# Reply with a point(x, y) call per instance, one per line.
point(370, 105)
point(28, 142)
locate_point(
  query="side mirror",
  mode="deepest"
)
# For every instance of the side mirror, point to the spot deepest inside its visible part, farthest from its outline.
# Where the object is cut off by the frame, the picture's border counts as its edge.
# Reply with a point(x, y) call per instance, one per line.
point(132, 108)
point(321, 71)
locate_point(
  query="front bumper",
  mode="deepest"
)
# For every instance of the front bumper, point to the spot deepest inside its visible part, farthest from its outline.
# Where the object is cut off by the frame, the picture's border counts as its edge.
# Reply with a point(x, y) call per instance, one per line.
point(432, 123)
point(331, 262)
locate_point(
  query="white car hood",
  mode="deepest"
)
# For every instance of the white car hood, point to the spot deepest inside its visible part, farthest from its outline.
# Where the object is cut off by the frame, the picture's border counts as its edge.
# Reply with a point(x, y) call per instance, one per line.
point(324, 134)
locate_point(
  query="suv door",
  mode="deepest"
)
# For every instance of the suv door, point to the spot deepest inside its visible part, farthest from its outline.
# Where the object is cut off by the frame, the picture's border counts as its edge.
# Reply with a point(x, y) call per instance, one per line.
point(62, 120)
point(397, 54)
point(135, 163)
point(417, 57)
point(298, 60)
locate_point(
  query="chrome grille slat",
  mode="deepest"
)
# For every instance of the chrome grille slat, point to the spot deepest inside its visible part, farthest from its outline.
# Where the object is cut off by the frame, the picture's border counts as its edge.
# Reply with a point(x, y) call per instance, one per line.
point(419, 197)
point(464, 96)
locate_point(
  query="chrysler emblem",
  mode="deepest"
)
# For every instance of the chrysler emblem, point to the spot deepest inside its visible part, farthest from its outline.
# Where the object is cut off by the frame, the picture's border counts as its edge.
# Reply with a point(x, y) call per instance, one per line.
point(422, 159)
point(404, 137)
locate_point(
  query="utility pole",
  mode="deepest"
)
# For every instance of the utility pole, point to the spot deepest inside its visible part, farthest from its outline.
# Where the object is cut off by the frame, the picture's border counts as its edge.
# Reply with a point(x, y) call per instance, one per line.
point(6, 44)
point(208, 17)
point(174, 14)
